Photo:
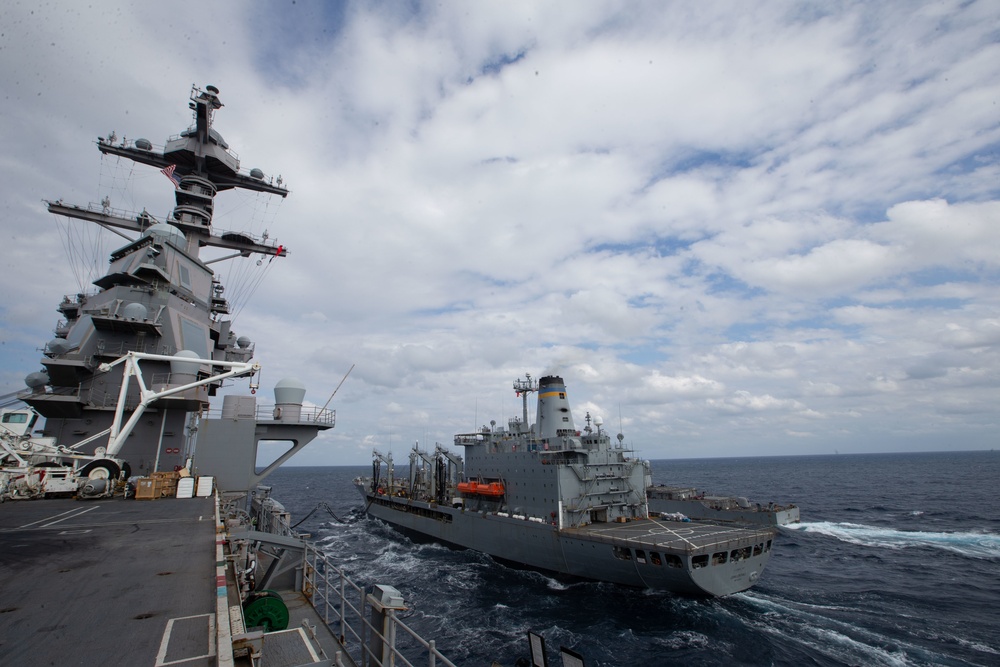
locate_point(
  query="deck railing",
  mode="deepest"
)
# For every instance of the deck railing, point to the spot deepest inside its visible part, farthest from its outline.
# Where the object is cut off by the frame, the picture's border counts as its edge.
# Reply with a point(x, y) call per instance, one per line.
point(348, 609)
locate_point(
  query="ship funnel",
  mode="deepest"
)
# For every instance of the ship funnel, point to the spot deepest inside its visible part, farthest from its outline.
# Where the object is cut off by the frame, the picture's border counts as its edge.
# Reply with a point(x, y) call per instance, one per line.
point(288, 396)
point(554, 416)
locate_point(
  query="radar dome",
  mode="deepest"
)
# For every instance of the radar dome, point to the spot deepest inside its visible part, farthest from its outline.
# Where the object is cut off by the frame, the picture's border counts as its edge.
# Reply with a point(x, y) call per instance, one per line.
point(179, 367)
point(36, 380)
point(165, 232)
point(58, 346)
point(256, 173)
point(243, 342)
point(143, 144)
point(289, 391)
point(135, 312)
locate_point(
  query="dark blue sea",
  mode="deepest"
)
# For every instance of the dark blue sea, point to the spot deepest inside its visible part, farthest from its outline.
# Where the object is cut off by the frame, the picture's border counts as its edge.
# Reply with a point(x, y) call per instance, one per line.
point(896, 562)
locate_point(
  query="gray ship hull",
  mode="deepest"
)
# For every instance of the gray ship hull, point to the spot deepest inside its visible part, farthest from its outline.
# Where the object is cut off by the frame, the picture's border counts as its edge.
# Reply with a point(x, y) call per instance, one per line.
point(687, 558)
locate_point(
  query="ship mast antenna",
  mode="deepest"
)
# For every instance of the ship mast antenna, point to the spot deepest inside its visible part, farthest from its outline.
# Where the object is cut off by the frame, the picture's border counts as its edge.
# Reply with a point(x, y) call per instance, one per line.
point(338, 387)
point(523, 388)
point(621, 435)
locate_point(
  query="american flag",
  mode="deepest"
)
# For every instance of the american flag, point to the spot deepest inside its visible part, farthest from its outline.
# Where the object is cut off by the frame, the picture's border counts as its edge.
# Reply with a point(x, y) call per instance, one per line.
point(169, 173)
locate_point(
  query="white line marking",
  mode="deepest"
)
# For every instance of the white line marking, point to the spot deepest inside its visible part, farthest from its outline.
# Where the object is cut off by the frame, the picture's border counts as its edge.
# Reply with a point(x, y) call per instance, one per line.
point(28, 525)
point(165, 642)
point(78, 514)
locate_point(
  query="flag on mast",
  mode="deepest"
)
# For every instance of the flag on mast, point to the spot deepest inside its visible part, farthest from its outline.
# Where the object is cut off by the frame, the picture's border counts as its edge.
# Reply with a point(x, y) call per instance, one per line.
point(169, 173)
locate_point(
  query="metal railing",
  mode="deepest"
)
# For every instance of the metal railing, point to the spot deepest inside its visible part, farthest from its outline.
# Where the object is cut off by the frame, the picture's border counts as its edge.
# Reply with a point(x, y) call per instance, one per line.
point(265, 412)
point(346, 608)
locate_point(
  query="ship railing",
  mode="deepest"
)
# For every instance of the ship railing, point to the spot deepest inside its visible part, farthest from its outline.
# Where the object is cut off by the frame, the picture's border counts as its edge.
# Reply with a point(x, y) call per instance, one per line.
point(185, 135)
point(347, 609)
point(121, 348)
point(74, 356)
point(109, 399)
point(65, 392)
point(309, 414)
point(239, 353)
point(91, 396)
point(78, 298)
point(275, 522)
point(127, 214)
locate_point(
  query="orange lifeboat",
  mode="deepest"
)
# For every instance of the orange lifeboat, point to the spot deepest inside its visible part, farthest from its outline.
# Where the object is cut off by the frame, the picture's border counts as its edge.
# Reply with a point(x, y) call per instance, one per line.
point(491, 489)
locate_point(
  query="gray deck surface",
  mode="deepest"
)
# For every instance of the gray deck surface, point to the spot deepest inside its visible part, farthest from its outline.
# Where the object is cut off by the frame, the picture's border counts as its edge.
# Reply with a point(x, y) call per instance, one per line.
point(657, 533)
point(108, 582)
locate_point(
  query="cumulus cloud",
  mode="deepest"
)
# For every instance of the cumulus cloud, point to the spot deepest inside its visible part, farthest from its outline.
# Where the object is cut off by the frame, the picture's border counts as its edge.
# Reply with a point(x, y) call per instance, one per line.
point(736, 229)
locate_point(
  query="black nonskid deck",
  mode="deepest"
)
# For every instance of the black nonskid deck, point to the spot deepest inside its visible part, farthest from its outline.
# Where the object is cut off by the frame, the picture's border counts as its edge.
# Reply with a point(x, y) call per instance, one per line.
point(108, 582)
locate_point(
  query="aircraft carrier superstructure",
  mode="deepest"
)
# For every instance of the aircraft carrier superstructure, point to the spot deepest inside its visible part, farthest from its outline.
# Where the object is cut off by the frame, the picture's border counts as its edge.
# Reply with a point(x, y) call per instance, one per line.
point(554, 498)
point(158, 297)
point(206, 574)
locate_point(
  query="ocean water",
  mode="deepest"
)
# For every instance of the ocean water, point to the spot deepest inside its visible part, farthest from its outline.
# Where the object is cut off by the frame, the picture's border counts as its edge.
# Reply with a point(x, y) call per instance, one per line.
point(896, 562)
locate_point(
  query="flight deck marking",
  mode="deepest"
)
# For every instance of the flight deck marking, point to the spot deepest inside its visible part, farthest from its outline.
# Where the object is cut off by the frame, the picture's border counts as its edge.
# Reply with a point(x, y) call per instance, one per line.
point(161, 657)
point(674, 532)
point(78, 513)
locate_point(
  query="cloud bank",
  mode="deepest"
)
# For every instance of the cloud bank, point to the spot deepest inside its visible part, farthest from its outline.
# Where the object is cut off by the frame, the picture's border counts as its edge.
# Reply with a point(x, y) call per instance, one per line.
point(735, 229)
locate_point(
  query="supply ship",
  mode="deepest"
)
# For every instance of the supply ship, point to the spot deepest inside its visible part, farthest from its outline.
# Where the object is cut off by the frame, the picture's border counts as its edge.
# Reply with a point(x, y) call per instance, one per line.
point(135, 526)
point(556, 499)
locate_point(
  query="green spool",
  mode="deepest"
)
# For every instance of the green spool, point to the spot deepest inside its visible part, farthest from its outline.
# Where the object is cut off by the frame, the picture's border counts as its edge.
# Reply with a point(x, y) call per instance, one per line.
point(267, 609)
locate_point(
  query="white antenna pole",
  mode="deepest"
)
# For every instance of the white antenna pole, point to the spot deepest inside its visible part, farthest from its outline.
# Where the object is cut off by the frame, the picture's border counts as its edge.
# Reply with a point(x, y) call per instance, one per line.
point(338, 386)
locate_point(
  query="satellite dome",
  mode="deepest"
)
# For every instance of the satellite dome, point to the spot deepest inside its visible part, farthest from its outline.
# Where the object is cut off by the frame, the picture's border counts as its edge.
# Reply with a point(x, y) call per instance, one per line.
point(178, 367)
point(256, 173)
point(135, 312)
point(165, 232)
point(58, 346)
point(243, 342)
point(36, 380)
point(289, 391)
point(143, 144)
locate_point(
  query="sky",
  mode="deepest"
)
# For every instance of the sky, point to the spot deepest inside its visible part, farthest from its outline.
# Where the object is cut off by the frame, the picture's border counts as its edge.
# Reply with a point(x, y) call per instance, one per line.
point(733, 228)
